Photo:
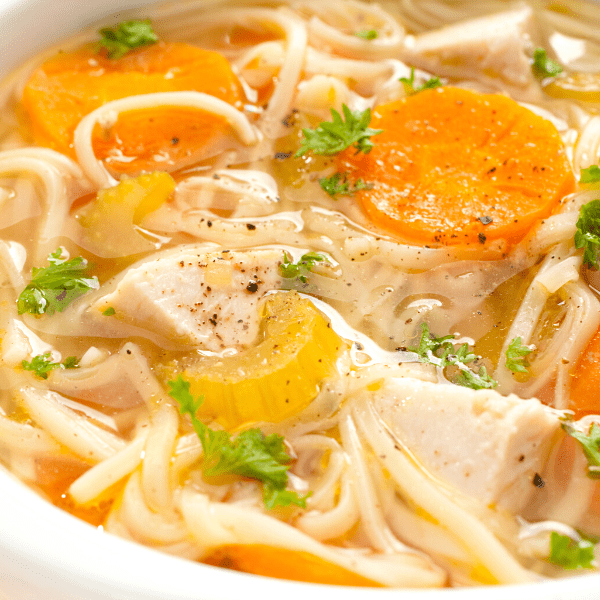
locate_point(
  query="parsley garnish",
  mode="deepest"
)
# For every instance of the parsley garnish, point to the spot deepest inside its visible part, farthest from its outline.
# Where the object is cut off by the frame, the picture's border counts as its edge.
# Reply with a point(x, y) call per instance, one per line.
point(543, 66)
point(588, 232)
point(338, 185)
point(71, 362)
point(109, 312)
point(42, 364)
point(590, 175)
point(251, 454)
point(302, 268)
point(429, 344)
point(569, 553)
point(333, 137)
point(591, 447)
point(53, 288)
point(126, 36)
point(476, 381)
point(515, 356)
point(409, 83)
point(441, 352)
point(367, 34)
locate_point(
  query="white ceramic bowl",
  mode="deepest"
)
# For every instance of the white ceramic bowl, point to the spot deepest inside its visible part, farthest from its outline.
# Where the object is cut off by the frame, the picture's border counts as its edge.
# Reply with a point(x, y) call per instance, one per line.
point(46, 554)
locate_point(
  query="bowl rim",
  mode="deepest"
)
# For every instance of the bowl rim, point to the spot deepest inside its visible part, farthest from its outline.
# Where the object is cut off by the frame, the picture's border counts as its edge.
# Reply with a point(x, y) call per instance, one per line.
point(42, 543)
point(35, 559)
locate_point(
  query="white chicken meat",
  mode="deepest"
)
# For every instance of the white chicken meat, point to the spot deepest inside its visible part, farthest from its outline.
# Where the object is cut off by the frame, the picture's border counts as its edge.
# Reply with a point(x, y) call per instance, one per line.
point(208, 299)
point(485, 445)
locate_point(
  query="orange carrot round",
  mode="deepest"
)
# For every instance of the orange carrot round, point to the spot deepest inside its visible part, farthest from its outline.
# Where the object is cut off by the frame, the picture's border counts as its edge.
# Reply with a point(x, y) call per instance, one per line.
point(70, 86)
point(585, 382)
point(268, 561)
point(457, 167)
point(165, 137)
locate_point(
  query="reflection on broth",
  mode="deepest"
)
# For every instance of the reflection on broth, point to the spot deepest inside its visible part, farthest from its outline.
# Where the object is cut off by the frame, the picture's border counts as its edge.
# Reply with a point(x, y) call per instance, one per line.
point(303, 289)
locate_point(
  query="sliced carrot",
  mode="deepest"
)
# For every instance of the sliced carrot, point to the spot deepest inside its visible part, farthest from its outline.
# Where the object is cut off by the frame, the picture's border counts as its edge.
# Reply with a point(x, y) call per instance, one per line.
point(456, 167)
point(241, 36)
point(595, 503)
point(54, 474)
point(585, 382)
point(168, 137)
point(69, 86)
point(268, 561)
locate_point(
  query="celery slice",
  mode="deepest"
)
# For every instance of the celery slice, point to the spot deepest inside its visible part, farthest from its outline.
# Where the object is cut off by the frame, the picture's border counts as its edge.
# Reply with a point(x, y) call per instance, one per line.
point(273, 380)
point(110, 220)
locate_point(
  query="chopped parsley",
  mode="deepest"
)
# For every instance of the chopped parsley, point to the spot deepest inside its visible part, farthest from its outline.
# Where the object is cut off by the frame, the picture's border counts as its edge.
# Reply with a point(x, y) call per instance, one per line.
point(251, 454)
point(479, 380)
point(331, 137)
point(442, 352)
point(302, 268)
point(516, 354)
point(367, 34)
point(71, 362)
point(109, 312)
point(587, 235)
point(429, 344)
point(338, 185)
point(543, 65)
point(569, 553)
point(591, 447)
point(409, 83)
point(53, 288)
point(42, 364)
point(127, 36)
point(590, 175)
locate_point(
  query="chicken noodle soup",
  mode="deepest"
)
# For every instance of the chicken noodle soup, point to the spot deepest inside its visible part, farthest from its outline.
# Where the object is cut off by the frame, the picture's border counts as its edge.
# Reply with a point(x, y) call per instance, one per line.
point(309, 290)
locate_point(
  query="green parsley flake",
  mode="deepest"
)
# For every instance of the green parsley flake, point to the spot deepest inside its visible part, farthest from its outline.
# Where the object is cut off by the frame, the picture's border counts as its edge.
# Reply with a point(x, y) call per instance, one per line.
point(109, 312)
point(590, 175)
point(587, 235)
point(476, 381)
point(126, 36)
point(367, 34)
point(591, 447)
point(302, 268)
point(516, 354)
point(53, 288)
point(571, 554)
point(543, 66)
point(42, 364)
point(442, 352)
point(332, 137)
point(251, 454)
point(409, 84)
point(337, 185)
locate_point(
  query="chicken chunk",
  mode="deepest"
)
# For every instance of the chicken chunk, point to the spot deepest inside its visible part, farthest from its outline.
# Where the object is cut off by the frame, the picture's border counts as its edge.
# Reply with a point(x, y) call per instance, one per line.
point(486, 445)
point(207, 299)
point(492, 46)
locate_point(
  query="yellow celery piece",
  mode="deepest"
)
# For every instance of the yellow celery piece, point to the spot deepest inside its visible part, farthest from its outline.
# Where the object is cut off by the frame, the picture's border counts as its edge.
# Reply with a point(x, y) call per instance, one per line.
point(480, 574)
point(109, 220)
point(276, 378)
point(584, 87)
